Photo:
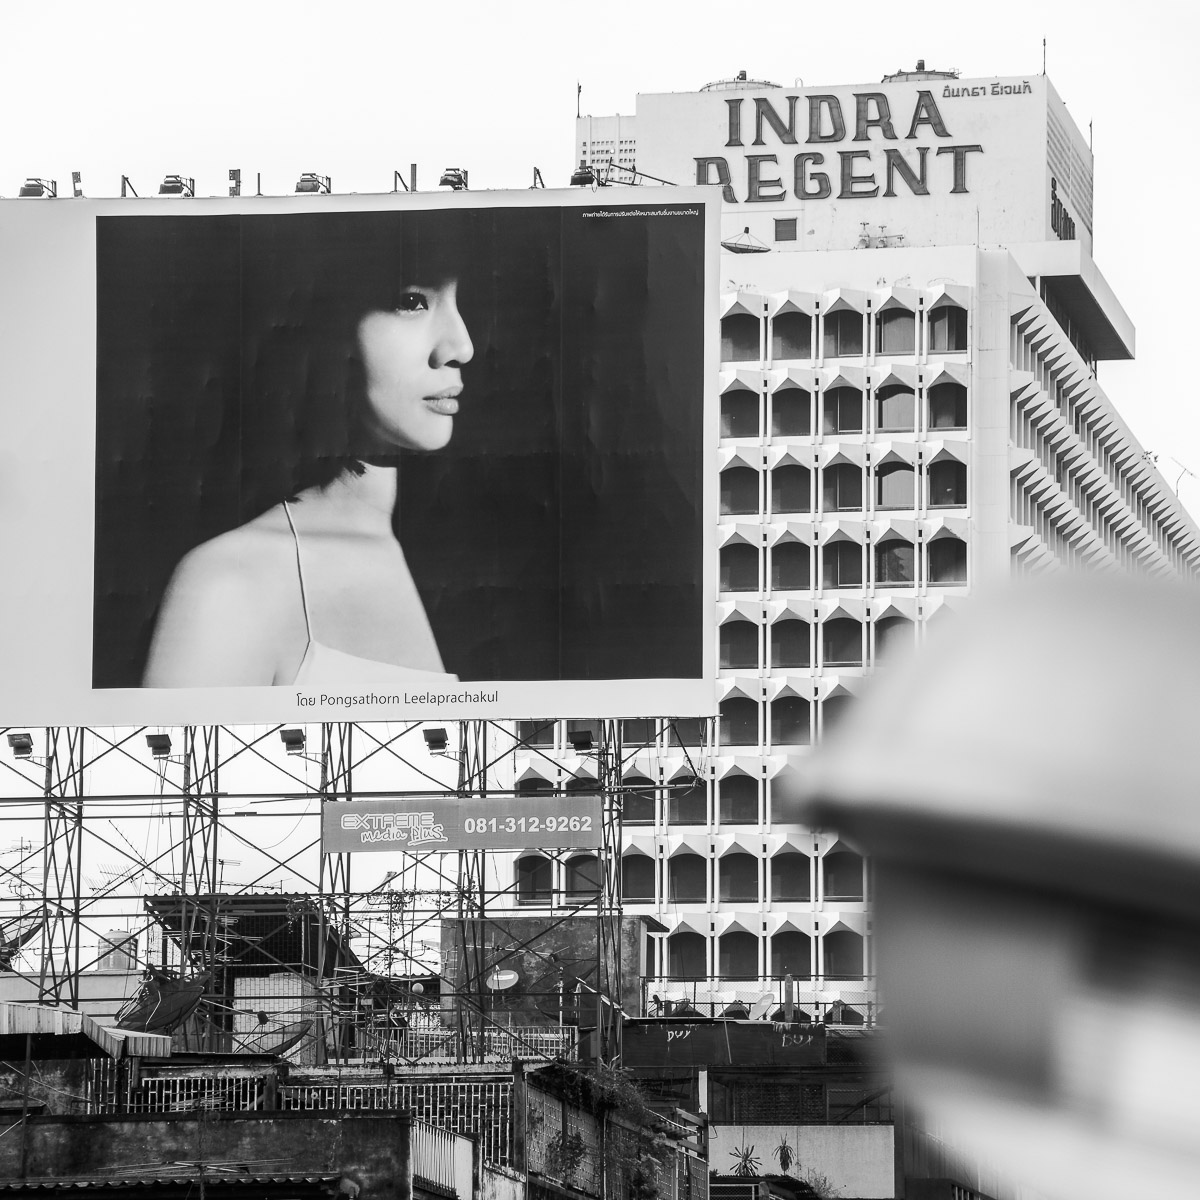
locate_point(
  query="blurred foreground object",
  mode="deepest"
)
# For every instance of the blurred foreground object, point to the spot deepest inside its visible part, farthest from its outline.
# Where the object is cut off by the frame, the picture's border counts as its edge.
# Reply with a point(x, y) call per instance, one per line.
point(1028, 790)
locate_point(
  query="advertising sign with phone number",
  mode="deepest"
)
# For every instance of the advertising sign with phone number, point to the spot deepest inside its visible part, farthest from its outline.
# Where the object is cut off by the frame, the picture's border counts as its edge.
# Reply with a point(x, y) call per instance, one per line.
point(421, 824)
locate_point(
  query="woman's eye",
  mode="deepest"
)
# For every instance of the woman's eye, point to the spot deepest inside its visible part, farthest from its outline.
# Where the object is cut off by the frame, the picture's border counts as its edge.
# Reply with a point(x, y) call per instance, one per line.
point(413, 302)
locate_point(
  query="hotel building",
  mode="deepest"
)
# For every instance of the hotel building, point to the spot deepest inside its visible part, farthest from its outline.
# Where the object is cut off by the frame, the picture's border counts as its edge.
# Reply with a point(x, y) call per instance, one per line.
point(912, 325)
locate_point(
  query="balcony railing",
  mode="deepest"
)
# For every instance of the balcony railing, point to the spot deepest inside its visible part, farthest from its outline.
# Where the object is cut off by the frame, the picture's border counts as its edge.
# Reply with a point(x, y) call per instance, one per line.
point(442, 1159)
point(830, 999)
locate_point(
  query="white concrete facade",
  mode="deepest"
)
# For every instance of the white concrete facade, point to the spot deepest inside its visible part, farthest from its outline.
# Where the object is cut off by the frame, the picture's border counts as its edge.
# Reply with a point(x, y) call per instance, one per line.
point(903, 420)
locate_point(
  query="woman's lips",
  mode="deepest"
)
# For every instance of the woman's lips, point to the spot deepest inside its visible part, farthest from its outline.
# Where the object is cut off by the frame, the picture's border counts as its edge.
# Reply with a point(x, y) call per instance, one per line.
point(445, 403)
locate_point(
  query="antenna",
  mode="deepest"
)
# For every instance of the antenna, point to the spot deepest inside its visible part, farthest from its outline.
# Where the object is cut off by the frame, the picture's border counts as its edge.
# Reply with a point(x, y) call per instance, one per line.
point(1043, 56)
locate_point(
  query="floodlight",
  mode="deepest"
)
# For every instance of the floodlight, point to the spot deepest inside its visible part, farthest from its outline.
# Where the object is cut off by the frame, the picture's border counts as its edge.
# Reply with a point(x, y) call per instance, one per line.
point(580, 739)
point(294, 740)
point(454, 178)
point(160, 744)
point(21, 744)
point(583, 175)
point(435, 739)
point(177, 185)
point(39, 187)
point(311, 182)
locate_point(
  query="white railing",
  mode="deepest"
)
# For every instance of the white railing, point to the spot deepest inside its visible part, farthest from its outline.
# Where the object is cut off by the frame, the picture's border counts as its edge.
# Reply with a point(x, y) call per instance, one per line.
point(442, 1159)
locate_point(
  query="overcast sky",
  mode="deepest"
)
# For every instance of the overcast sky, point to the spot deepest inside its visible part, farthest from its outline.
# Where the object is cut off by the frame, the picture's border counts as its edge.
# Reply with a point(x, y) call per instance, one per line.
point(360, 89)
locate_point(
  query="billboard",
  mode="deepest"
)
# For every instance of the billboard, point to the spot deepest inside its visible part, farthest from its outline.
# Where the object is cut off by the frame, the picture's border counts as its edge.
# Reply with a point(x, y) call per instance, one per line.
point(438, 822)
point(321, 457)
point(916, 161)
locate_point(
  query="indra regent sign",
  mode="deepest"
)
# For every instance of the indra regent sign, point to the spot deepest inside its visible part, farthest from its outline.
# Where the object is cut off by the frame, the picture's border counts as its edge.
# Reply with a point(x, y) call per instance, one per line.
point(856, 174)
point(421, 824)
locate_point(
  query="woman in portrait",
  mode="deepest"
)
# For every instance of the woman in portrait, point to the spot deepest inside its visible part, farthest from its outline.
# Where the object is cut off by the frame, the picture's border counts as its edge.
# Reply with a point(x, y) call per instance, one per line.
point(351, 357)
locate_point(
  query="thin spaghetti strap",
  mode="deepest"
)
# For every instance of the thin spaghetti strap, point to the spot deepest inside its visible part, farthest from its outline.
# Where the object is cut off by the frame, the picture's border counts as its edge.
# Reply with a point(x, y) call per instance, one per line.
point(287, 512)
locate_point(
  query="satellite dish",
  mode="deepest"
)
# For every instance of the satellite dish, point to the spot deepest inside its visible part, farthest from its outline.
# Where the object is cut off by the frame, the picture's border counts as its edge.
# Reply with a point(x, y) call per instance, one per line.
point(17, 934)
point(161, 1003)
point(276, 1041)
point(499, 981)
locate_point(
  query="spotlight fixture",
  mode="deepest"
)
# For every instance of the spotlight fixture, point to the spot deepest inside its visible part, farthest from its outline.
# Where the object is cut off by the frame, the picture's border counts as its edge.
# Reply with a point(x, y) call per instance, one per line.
point(177, 185)
point(294, 740)
point(580, 739)
point(160, 744)
point(39, 187)
point(21, 744)
point(310, 182)
point(583, 175)
point(435, 739)
point(76, 183)
point(235, 181)
point(454, 178)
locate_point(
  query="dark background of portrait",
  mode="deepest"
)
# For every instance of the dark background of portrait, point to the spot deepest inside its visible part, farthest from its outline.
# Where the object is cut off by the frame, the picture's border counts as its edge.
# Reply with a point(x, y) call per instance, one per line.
point(559, 534)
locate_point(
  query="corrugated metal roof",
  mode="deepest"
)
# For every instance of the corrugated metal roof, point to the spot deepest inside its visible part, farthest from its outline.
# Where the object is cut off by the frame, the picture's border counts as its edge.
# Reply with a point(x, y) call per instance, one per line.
point(67, 1033)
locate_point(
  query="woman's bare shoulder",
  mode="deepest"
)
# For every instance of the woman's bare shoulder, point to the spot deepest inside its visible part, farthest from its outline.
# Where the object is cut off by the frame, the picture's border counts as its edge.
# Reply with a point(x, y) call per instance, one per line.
point(227, 613)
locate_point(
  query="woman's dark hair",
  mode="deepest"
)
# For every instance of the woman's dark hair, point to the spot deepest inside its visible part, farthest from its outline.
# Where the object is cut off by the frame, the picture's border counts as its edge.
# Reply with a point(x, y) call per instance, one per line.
point(307, 282)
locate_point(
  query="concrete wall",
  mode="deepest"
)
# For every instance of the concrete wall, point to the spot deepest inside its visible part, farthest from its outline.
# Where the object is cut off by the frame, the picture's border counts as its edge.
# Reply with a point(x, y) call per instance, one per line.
point(859, 1160)
point(370, 1150)
point(499, 1183)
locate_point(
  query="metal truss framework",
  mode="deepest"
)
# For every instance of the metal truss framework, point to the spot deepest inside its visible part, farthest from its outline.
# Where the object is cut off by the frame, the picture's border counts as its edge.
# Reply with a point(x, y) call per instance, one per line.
point(171, 839)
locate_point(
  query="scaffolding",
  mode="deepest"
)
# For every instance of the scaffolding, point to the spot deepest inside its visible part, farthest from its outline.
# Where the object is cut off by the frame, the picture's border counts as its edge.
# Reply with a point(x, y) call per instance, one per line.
point(140, 828)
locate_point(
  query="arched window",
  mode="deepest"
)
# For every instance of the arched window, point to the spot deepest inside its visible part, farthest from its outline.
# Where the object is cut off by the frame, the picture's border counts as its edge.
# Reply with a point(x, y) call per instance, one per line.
point(841, 564)
point(790, 644)
point(842, 410)
point(637, 807)
point(791, 335)
point(842, 638)
point(583, 877)
point(739, 800)
point(739, 568)
point(739, 413)
point(687, 956)
point(895, 332)
point(791, 954)
point(843, 955)
point(947, 560)
point(739, 644)
point(896, 408)
point(790, 876)
point(895, 486)
point(790, 491)
point(738, 877)
point(843, 334)
point(739, 722)
point(790, 717)
point(791, 413)
point(843, 875)
point(842, 491)
point(947, 484)
point(637, 877)
point(737, 955)
point(790, 567)
point(739, 491)
point(582, 783)
point(833, 709)
point(891, 634)
point(895, 563)
point(947, 328)
point(947, 406)
point(533, 879)
point(687, 802)
point(739, 338)
point(687, 878)
point(532, 785)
